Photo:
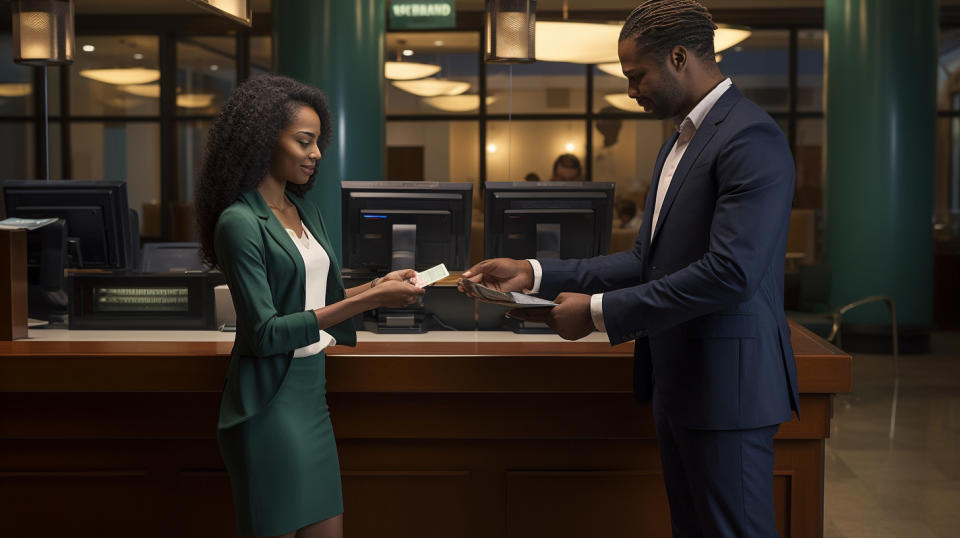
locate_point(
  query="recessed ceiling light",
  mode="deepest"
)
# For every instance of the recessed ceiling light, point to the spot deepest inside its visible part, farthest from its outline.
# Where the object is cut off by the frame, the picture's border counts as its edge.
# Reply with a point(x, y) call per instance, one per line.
point(89, 48)
point(407, 52)
point(137, 56)
point(214, 67)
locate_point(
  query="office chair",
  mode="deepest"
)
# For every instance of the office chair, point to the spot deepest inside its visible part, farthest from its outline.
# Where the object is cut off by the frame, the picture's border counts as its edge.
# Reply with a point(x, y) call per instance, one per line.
point(815, 295)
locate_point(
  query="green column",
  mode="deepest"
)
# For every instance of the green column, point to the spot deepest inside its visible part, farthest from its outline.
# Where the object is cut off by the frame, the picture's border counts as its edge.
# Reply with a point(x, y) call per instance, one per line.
point(338, 46)
point(880, 122)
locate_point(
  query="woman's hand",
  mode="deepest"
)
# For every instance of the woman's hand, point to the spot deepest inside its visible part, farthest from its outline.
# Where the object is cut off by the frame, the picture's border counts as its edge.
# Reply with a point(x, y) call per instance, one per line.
point(396, 293)
point(402, 275)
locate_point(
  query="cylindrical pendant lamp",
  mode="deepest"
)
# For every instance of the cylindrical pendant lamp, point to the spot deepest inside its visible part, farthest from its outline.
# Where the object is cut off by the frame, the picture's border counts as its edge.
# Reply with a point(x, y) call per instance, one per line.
point(43, 32)
point(510, 31)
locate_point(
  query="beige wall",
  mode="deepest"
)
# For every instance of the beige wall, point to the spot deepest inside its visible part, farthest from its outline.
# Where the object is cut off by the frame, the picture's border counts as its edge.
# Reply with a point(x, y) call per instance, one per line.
point(142, 172)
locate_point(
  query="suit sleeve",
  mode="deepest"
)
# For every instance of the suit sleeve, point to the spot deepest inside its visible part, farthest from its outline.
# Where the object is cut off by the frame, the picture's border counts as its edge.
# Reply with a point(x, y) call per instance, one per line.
point(592, 275)
point(755, 178)
point(240, 255)
point(602, 273)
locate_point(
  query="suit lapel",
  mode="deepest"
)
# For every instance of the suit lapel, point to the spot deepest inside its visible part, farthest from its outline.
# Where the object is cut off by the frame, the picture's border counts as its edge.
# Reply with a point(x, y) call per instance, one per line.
point(700, 140)
point(651, 200)
point(275, 229)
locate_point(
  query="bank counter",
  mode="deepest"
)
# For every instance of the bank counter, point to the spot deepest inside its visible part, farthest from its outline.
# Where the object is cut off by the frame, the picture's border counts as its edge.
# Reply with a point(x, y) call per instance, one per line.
point(448, 434)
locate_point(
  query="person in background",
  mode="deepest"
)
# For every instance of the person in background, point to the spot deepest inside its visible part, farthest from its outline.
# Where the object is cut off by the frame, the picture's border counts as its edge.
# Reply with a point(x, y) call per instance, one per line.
point(701, 291)
point(532, 176)
point(271, 243)
point(567, 168)
point(627, 216)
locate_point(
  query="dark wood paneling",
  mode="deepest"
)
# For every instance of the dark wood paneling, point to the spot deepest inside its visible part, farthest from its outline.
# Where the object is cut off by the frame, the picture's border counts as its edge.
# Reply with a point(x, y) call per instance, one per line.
point(13, 284)
point(435, 439)
point(574, 504)
point(58, 503)
point(781, 502)
point(409, 503)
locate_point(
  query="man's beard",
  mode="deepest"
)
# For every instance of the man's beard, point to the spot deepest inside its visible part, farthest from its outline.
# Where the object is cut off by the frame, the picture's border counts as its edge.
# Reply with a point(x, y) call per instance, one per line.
point(667, 100)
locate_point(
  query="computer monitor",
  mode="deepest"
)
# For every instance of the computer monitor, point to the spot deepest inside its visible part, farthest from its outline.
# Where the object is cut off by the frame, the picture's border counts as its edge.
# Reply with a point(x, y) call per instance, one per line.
point(390, 225)
point(557, 219)
point(96, 214)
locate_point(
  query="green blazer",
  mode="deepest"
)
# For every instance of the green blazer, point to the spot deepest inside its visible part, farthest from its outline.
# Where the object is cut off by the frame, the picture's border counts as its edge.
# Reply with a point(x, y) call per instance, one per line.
point(265, 273)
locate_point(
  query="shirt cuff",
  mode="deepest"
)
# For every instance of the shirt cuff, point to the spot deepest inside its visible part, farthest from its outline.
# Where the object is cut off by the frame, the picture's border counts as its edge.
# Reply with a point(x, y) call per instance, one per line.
point(596, 312)
point(537, 276)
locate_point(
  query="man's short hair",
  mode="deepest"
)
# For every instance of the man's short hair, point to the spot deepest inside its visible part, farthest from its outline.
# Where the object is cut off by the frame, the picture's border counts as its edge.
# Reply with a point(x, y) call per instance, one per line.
point(656, 26)
point(568, 160)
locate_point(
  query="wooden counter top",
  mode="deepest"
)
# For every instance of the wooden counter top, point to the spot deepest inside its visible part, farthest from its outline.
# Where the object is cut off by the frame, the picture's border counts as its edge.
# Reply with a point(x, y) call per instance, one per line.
point(452, 361)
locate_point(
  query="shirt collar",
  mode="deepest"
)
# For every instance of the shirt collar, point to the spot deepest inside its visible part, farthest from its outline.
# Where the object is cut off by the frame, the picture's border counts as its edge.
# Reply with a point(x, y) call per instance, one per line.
point(699, 112)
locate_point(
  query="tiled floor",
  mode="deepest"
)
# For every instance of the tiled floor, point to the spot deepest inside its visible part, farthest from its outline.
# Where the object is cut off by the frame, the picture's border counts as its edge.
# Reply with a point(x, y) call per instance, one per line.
point(907, 487)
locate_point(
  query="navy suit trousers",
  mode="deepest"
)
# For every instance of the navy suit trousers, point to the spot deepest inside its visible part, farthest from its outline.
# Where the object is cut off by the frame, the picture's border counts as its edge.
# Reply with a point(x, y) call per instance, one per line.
point(719, 482)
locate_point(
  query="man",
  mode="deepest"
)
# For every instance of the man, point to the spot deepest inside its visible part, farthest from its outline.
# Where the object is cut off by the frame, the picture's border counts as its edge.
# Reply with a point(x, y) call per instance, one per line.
point(701, 292)
point(567, 168)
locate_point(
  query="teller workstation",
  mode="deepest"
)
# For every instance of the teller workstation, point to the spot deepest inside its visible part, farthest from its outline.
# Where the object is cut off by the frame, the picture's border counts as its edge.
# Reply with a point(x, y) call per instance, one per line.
point(451, 419)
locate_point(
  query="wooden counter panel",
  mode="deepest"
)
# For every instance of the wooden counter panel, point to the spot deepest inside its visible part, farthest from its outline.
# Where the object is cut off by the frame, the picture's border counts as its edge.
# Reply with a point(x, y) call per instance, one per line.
point(476, 488)
point(469, 439)
point(139, 415)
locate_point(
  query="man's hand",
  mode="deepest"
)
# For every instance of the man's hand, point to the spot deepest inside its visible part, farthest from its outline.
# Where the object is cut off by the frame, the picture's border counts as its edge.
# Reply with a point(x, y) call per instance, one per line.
point(570, 318)
point(503, 274)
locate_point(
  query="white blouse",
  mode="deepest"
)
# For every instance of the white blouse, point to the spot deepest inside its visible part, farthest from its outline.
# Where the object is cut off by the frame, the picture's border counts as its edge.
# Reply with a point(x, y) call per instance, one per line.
point(316, 262)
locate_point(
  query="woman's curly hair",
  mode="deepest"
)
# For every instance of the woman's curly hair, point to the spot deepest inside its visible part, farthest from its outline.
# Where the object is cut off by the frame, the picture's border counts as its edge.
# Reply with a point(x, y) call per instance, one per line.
point(241, 144)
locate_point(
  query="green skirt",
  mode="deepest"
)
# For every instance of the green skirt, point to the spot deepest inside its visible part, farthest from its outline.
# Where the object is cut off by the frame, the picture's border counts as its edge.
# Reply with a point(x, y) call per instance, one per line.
point(283, 462)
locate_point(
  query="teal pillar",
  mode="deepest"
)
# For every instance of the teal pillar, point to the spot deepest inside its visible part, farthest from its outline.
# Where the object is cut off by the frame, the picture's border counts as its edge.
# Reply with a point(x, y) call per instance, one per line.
point(338, 46)
point(880, 124)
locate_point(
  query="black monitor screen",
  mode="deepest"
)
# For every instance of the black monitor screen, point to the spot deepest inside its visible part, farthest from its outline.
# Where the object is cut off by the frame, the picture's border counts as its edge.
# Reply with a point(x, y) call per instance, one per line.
point(400, 225)
point(96, 215)
point(556, 219)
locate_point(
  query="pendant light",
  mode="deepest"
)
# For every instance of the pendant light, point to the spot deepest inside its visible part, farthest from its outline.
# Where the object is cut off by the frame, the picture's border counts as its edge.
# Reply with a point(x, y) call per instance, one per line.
point(43, 32)
point(43, 35)
point(510, 27)
point(401, 70)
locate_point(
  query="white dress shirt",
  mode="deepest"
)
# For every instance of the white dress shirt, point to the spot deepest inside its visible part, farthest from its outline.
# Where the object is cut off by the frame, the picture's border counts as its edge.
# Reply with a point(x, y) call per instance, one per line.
point(687, 129)
point(316, 263)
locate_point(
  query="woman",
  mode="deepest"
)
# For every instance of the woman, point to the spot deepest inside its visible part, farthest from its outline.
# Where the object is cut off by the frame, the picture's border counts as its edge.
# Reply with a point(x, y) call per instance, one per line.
point(271, 244)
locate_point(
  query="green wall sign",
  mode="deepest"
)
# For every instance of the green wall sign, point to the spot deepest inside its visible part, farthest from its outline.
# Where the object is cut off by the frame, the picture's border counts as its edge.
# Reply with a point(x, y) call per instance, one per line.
point(422, 14)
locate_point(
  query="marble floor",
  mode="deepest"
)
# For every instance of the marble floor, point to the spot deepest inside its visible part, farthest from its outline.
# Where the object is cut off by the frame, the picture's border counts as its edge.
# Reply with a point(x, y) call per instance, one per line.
point(907, 486)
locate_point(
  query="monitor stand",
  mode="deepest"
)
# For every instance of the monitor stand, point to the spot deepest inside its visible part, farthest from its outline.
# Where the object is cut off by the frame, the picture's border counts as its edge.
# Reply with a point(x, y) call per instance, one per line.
point(408, 320)
point(404, 246)
point(548, 240)
point(527, 327)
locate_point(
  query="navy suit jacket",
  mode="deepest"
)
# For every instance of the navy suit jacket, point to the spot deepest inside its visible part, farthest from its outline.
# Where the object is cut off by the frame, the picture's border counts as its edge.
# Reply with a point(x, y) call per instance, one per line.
point(704, 298)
